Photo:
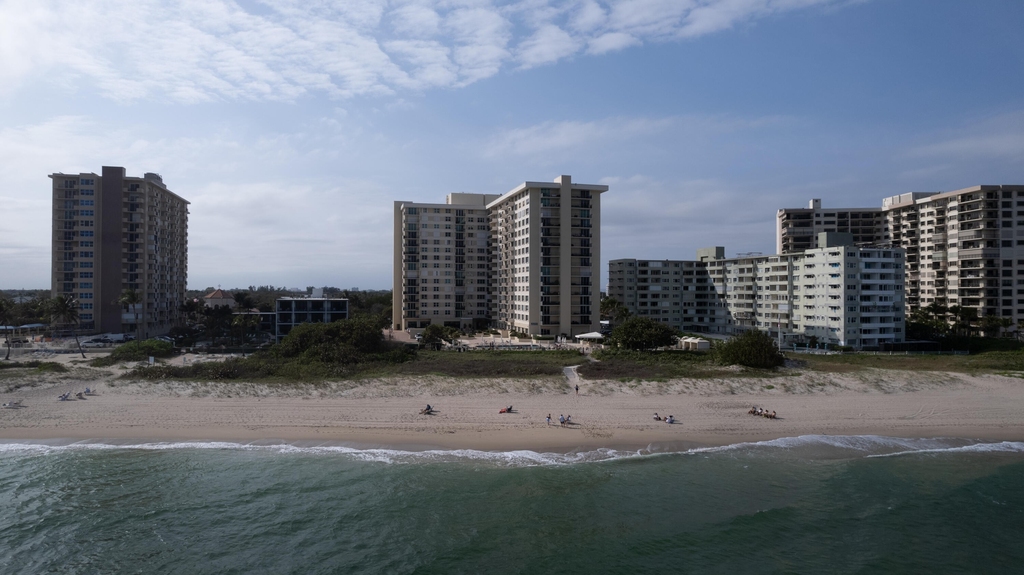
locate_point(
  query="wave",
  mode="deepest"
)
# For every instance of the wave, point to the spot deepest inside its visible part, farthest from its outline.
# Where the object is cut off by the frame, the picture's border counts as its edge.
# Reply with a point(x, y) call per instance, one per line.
point(803, 447)
point(517, 458)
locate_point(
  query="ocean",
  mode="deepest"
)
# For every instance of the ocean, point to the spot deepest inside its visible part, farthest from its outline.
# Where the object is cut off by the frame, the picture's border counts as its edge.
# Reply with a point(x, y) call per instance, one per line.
point(813, 504)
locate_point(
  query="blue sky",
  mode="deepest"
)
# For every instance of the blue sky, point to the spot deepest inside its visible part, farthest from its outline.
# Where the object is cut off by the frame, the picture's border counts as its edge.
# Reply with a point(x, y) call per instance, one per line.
point(292, 126)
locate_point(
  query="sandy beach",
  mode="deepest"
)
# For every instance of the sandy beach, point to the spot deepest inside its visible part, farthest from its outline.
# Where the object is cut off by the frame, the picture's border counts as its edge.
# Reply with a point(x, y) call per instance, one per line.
point(375, 413)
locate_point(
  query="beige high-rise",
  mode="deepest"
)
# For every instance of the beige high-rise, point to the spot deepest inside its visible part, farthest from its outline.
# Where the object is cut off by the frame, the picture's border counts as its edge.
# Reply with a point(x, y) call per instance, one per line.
point(527, 261)
point(112, 233)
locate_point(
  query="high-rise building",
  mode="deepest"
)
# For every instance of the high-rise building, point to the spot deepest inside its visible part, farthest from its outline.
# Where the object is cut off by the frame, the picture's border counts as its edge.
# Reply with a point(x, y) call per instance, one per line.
point(963, 248)
point(113, 233)
point(837, 293)
point(527, 261)
point(441, 269)
point(797, 229)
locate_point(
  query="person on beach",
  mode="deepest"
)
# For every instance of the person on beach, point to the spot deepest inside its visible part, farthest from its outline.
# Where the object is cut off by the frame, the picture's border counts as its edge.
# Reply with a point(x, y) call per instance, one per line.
point(549, 419)
point(561, 420)
point(577, 389)
point(568, 420)
point(656, 416)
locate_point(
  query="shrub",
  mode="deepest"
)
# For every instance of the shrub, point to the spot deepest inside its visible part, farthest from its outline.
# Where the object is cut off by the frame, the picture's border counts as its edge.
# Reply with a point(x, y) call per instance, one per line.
point(751, 348)
point(642, 333)
point(46, 366)
point(135, 351)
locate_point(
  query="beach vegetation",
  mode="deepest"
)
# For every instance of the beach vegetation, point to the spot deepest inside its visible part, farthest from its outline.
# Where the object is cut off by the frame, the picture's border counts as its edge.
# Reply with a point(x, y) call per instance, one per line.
point(135, 351)
point(752, 348)
point(641, 333)
point(628, 365)
point(42, 366)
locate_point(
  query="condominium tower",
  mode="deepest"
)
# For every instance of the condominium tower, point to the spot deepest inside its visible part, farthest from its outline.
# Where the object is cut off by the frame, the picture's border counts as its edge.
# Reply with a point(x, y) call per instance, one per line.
point(441, 269)
point(526, 261)
point(112, 233)
point(963, 248)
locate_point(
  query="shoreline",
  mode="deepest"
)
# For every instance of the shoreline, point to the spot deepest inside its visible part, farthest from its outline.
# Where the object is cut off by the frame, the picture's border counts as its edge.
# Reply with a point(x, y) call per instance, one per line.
point(608, 415)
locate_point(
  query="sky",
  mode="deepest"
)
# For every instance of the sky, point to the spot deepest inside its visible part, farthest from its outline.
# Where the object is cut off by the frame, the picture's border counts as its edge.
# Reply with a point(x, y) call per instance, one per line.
point(293, 125)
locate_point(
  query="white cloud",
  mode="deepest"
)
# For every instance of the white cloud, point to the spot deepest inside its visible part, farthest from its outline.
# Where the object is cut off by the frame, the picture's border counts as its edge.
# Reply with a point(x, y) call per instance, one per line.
point(611, 42)
point(200, 50)
point(548, 44)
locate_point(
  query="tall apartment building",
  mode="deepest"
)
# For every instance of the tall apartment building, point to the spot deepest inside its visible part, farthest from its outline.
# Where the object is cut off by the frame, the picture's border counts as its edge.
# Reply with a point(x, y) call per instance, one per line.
point(964, 247)
point(527, 261)
point(797, 229)
point(839, 293)
point(441, 263)
point(112, 233)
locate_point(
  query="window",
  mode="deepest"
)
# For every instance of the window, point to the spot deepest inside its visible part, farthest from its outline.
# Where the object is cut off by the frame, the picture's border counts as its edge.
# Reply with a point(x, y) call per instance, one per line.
point(85, 274)
point(87, 233)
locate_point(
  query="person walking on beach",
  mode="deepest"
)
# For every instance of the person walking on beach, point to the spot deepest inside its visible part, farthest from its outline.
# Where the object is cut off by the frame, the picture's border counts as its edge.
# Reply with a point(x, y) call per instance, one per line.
point(549, 419)
point(577, 389)
point(561, 420)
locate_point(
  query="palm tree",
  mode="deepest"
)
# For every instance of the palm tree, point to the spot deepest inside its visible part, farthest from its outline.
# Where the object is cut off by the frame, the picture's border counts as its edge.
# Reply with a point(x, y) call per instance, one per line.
point(63, 309)
point(6, 312)
point(130, 300)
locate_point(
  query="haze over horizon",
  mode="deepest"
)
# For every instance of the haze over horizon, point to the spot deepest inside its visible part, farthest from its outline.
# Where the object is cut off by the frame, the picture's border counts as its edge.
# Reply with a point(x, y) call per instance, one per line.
point(292, 126)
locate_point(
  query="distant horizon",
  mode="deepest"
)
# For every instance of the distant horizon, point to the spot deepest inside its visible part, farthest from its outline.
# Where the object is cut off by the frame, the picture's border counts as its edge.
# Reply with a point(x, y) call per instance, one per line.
point(292, 130)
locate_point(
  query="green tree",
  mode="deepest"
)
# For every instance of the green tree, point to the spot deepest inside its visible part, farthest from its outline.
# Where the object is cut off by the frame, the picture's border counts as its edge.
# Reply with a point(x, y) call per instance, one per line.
point(752, 348)
point(6, 316)
point(191, 309)
point(64, 310)
point(130, 300)
point(343, 341)
point(613, 310)
point(435, 333)
point(642, 333)
point(990, 324)
point(1004, 323)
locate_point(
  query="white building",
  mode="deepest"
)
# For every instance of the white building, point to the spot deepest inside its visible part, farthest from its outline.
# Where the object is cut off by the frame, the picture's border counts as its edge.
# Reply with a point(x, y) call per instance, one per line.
point(838, 293)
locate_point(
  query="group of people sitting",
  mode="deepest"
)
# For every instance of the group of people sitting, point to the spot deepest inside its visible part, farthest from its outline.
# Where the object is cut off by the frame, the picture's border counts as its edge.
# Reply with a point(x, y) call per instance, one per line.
point(761, 412)
point(13, 404)
point(79, 395)
point(669, 419)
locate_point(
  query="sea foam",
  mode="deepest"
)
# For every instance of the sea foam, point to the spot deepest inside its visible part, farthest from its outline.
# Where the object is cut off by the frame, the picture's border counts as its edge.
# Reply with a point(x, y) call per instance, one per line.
point(804, 447)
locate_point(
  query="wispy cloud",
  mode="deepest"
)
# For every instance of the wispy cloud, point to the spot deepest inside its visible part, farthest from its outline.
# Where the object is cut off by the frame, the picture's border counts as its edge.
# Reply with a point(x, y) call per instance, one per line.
point(200, 50)
point(547, 137)
point(998, 137)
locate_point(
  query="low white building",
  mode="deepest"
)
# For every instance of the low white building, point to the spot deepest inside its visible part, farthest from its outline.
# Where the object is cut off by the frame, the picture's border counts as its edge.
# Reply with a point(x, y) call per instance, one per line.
point(838, 293)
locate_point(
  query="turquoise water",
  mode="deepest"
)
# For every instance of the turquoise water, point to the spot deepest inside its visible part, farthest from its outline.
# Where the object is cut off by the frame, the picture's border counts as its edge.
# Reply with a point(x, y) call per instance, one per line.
point(799, 505)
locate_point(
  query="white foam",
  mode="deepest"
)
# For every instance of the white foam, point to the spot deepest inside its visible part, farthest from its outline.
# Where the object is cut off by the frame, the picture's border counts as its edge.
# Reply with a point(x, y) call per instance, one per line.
point(802, 446)
point(1001, 447)
point(521, 458)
